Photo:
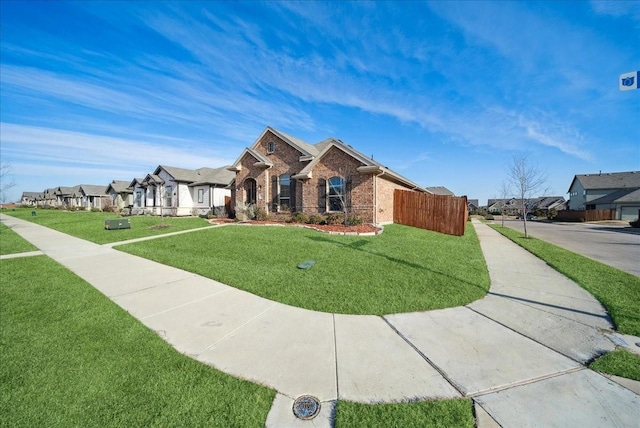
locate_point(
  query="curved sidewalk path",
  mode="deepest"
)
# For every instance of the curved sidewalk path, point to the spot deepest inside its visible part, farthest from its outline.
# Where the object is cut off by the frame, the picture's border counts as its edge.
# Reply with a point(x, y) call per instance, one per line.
point(519, 352)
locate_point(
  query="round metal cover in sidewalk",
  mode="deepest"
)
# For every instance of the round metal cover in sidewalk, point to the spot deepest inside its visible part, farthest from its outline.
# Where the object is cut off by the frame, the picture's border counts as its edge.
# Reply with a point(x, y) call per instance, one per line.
point(306, 407)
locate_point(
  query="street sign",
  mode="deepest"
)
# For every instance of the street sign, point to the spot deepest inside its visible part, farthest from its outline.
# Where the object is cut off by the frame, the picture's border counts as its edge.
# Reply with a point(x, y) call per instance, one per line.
point(628, 81)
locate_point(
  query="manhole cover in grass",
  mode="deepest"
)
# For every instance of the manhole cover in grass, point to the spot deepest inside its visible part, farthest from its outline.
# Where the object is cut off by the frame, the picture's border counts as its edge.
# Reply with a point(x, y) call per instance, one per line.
point(306, 407)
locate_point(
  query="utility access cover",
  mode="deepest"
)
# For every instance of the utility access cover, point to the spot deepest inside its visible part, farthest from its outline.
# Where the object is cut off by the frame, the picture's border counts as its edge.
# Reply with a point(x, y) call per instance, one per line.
point(306, 407)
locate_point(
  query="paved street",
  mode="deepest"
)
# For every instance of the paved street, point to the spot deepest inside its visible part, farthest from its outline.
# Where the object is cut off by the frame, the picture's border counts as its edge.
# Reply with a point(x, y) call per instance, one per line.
point(615, 244)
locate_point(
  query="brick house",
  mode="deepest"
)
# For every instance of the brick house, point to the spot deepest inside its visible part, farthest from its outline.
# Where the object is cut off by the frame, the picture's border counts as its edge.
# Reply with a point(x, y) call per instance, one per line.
point(281, 174)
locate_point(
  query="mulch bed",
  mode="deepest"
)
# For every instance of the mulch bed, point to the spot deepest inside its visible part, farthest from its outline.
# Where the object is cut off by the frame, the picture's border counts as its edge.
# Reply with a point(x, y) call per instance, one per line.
point(327, 228)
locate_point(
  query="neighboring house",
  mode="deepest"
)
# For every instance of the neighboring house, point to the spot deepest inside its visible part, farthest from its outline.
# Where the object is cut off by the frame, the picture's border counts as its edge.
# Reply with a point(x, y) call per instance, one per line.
point(548, 203)
point(68, 197)
point(473, 205)
point(30, 199)
point(281, 174)
point(618, 190)
point(504, 206)
point(48, 199)
point(139, 190)
point(440, 190)
point(177, 191)
point(120, 193)
point(92, 196)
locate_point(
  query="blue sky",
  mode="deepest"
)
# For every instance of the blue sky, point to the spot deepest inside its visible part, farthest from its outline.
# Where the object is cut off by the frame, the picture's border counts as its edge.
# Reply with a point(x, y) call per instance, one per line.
point(444, 93)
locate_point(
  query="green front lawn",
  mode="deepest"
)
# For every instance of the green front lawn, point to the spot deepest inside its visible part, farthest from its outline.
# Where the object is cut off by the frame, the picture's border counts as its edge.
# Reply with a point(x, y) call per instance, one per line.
point(71, 357)
point(404, 269)
point(12, 243)
point(618, 291)
point(90, 225)
point(620, 363)
point(441, 414)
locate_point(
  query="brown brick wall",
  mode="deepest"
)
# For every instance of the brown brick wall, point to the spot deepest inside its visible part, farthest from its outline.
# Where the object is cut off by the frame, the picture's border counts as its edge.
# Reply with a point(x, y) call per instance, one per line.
point(310, 195)
point(285, 160)
point(385, 189)
point(336, 163)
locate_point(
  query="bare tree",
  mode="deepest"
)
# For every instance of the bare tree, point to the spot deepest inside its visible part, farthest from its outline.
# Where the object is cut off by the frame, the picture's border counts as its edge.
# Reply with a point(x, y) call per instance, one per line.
point(505, 192)
point(528, 179)
point(6, 183)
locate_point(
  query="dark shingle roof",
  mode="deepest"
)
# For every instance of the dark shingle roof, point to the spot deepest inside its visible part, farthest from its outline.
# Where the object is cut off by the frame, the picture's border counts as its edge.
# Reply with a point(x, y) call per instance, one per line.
point(440, 190)
point(612, 180)
point(622, 195)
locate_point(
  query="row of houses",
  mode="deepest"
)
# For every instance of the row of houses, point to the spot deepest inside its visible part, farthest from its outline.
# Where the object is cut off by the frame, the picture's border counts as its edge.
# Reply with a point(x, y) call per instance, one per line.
point(278, 173)
point(618, 192)
point(176, 191)
point(513, 206)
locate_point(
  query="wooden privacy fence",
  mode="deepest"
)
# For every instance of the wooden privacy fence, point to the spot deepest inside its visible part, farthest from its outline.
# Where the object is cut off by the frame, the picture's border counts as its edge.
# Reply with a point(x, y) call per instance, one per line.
point(589, 215)
point(444, 214)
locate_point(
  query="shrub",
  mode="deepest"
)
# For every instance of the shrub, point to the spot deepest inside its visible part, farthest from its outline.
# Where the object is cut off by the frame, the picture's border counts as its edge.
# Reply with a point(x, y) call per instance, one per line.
point(261, 214)
point(316, 219)
point(334, 218)
point(95, 210)
point(220, 212)
point(488, 217)
point(299, 217)
point(635, 223)
point(353, 220)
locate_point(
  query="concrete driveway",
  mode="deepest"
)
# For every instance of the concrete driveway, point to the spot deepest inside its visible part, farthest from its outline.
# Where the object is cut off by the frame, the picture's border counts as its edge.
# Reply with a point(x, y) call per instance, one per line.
point(616, 244)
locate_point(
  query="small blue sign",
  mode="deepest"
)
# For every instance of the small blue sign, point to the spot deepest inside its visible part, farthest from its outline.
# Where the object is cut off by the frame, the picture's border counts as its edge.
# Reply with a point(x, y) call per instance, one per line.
point(628, 81)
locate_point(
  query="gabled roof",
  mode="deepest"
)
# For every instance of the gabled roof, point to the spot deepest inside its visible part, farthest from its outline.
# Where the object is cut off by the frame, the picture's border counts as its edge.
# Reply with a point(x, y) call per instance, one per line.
point(31, 195)
point(92, 190)
point(313, 153)
point(612, 180)
point(198, 176)
point(152, 179)
point(440, 190)
point(119, 186)
point(136, 181)
point(261, 160)
point(369, 165)
point(548, 201)
point(619, 196)
point(68, 191)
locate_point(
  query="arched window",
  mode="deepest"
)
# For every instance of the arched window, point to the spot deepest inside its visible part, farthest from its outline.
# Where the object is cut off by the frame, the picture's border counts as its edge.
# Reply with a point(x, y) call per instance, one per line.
point(336, 194)
point(250, 191)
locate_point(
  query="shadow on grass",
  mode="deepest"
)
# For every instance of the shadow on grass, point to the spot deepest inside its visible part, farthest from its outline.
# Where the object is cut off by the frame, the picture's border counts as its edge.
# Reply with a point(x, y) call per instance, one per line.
point(361, 244)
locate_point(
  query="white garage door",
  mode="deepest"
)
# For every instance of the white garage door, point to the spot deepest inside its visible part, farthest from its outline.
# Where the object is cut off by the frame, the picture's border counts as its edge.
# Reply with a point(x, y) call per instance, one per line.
point(629, 213)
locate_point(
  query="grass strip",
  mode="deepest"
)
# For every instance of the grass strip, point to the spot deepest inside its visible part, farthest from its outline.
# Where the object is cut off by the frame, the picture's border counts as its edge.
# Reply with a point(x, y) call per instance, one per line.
point(404, 269)
point(89, 225)
point(71, 357)
point(427, 414)
point(618, 291)
point(12, 243)
point(620, 362)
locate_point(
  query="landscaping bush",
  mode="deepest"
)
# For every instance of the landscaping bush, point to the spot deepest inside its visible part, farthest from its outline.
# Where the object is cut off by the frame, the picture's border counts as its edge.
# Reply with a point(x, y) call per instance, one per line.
point(316, 219)
point(488, 217)
point(299, 217)
point(220, 212)
point(334, 218)
point(260, 214)
point(353, 220)
point(635, 223)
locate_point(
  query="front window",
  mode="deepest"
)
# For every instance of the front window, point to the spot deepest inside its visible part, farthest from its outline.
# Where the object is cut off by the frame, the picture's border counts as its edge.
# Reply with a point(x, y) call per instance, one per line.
point(285, 192)
point(336, 194)
point(250, 191)
point(271, 147)
point(168, 196)
point(200, 196)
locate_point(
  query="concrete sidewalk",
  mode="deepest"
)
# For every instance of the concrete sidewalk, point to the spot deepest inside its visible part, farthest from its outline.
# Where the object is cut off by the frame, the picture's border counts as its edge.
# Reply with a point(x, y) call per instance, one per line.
point(519, 352)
